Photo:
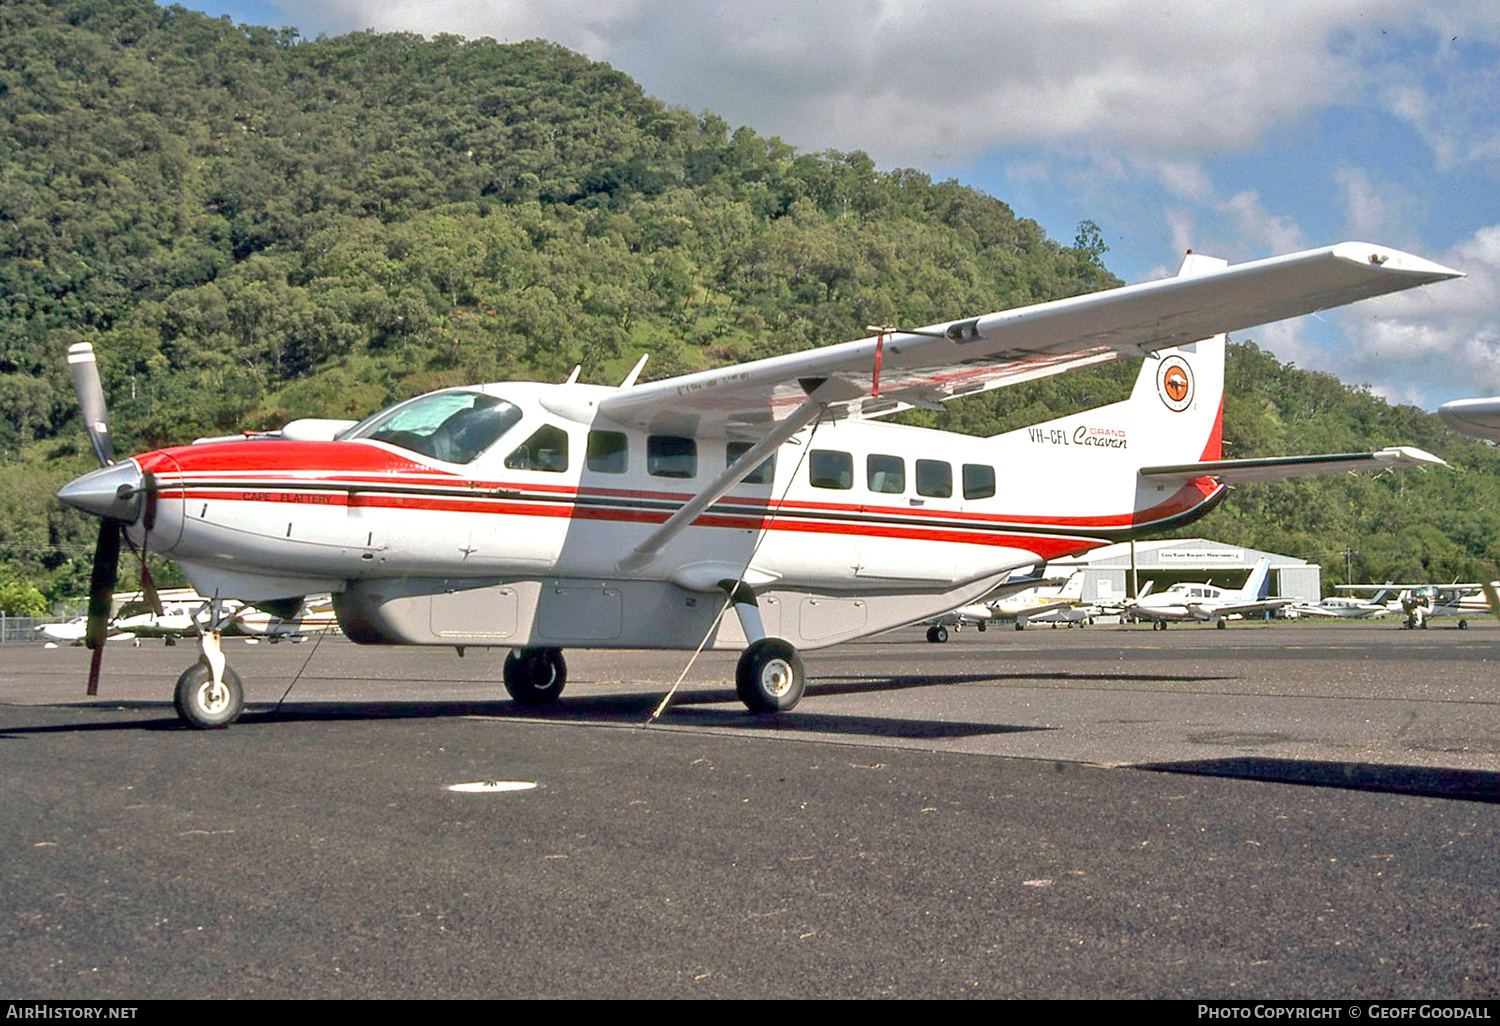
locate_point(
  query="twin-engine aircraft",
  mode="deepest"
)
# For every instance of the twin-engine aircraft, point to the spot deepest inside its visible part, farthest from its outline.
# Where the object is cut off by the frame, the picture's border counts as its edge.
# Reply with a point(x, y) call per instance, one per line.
point(1044, 600)
point(1344, 607)
point(1207, 602)
point(538, 517)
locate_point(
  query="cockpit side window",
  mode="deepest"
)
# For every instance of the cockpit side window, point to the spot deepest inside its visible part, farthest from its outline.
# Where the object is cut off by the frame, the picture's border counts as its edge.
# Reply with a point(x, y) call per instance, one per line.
point(546, 449)
point(452, 426)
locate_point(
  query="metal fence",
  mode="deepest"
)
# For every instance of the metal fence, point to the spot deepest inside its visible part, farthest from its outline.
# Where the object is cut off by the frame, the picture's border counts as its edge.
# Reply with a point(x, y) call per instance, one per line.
point(20, 629)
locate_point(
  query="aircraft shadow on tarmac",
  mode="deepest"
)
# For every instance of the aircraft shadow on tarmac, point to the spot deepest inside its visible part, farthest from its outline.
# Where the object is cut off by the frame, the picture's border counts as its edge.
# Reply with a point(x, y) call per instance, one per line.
point(1429, 782)
point(704, 707)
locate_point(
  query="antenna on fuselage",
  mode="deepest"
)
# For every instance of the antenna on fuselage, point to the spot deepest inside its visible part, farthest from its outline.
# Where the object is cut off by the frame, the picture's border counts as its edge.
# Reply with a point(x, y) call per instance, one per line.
point(573, 378)
point(635, 371)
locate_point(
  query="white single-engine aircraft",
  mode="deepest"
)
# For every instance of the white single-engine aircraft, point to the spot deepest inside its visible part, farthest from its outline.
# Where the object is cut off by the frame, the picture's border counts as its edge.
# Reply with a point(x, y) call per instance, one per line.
point(544, 516)
point(1423, 603)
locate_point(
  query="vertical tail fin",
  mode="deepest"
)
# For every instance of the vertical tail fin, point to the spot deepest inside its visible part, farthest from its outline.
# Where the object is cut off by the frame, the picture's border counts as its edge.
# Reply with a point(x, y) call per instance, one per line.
point(1175, 410)
point(1256, 585)
point(1180, 391)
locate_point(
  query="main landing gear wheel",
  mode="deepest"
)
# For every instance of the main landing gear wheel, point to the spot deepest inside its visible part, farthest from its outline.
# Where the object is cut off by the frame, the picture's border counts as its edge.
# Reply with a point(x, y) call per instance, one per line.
point(937, 635)
point(770, 677)
point(203, 706)
point(535, 676)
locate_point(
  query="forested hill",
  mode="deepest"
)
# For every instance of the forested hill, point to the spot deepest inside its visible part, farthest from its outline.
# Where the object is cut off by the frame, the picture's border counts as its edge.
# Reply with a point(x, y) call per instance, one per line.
point(251, 226)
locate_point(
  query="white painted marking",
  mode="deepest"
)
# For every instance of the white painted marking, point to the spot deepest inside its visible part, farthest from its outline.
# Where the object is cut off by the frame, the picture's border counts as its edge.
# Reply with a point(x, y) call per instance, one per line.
point(493, 786)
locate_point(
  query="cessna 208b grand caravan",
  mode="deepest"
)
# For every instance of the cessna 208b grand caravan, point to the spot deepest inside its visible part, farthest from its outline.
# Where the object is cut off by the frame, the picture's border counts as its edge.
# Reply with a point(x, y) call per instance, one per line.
point(542, 516)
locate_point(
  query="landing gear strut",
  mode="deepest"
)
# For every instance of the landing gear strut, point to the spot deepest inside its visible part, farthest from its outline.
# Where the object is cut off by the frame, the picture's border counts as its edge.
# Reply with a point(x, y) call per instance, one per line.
point(769, 677)
point(535, 676)
point(209, 694)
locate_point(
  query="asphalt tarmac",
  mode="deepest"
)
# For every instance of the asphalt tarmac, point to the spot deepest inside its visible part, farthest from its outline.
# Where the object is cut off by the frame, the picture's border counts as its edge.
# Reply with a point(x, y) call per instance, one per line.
point(1263, 812)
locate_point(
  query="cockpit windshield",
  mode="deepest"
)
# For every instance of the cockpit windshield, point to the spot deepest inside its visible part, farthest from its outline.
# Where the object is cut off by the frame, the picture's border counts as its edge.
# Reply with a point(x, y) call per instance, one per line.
point(455, 426)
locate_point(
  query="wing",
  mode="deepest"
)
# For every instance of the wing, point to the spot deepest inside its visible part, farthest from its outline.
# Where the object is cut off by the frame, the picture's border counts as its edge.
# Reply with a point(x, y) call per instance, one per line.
point(1278, 468)
point(1229, 608)
point(1479, 417)
point(1443, 589)
point(879, 374)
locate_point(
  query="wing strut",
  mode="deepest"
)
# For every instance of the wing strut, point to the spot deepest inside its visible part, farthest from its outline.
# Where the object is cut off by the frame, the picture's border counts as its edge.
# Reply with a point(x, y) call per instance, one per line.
point(646, 552)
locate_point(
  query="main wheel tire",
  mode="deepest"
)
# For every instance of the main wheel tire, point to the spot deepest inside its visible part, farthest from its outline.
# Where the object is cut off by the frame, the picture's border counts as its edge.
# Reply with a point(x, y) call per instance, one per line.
point(770, 677)
point(535, 676)
point(201, 705)
point(937, 634)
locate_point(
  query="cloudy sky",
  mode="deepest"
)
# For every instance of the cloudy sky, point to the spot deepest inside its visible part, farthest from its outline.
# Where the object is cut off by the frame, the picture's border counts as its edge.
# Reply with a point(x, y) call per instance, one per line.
point(1236, 129)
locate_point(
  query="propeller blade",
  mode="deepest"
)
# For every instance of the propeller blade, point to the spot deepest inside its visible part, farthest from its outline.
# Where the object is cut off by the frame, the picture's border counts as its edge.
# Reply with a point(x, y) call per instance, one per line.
point(101, 594)
point(85, 371)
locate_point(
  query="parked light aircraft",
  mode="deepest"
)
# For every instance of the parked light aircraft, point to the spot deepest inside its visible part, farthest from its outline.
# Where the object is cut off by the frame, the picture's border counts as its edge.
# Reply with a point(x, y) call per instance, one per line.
point(1206, 602)
point(311, 616)
point(1346, 607)
point(1043, 604)
point(540, 516)
point(73, 631)
point(1426, 602)
point(980, 613)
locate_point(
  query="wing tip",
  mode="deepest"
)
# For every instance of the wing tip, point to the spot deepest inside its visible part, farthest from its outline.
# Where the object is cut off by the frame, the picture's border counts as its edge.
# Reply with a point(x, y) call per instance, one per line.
point(1393, 260)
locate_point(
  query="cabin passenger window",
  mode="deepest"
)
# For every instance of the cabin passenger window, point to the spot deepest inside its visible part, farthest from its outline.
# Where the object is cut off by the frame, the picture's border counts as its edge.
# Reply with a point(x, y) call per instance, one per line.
point(829, 469)
point(979, 481)
point(607, 452)
point(671, 456)
point(886, 474)
point(761, 474)
point(546, 449)
point(934, 478)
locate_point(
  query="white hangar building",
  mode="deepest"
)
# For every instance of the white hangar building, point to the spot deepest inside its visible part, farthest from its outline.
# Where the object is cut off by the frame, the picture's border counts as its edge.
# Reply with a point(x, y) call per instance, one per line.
point(1107, 571)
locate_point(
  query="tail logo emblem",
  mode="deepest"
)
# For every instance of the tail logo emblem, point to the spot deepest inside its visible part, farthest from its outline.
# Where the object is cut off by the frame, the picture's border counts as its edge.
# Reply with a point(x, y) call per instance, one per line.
point(1174, 383)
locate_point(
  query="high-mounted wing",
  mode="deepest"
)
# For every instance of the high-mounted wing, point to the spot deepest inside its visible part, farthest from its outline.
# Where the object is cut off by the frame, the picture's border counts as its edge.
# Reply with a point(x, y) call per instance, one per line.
point(876, 375)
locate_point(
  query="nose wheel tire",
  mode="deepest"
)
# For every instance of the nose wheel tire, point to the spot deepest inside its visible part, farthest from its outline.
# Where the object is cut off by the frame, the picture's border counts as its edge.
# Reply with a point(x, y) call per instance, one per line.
point(535, 676)
point(770, 677)
point(204, 706)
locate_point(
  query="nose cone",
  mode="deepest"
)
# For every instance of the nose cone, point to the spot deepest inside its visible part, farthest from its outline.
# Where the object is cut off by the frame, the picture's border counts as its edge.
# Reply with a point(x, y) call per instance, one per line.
point(115, 492)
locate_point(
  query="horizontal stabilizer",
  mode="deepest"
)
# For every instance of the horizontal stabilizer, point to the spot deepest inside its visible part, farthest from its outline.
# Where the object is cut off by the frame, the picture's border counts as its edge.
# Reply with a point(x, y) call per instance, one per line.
point(1278, 468)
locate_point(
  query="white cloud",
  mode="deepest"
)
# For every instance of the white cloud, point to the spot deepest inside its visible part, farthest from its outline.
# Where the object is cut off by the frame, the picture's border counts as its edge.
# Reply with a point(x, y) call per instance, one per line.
point(1115, 110)
point(1369, 206)
point(1275, 232)
point(912, 81)
point(1437, 343)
